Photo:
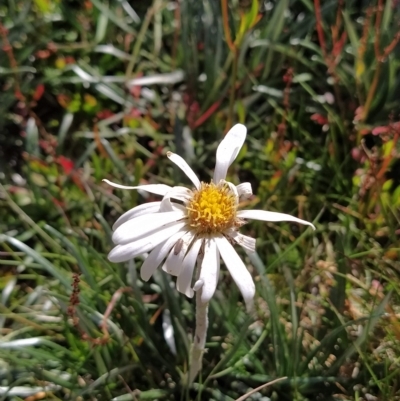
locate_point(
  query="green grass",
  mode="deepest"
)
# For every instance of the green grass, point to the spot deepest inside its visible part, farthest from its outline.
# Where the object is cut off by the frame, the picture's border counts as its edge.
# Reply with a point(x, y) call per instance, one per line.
point(317, 88)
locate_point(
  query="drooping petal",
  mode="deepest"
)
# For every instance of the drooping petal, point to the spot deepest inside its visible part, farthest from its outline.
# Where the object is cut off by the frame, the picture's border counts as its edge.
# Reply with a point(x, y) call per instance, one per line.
point(158, 254)
point(181, 163)
point(233, 189)
point(209, 270)
point(177, 207)
point(158, 189)
point(166, 205)
point(228, 149)
point(180, 193)
point(237, 269)
point(137, 211)
point(270, 216)
point(184, 281)
point(244, 190)
point(142, 226)
point(173, 263)
point(122, 253)
point(245, 241)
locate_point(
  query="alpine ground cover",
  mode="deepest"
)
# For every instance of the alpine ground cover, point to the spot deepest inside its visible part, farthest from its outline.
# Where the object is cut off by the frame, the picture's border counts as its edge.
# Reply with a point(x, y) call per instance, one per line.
point(97, 89)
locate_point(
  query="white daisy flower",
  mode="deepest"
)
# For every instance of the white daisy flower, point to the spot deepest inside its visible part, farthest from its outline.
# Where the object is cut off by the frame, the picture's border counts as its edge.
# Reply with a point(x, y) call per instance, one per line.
point(187, 222)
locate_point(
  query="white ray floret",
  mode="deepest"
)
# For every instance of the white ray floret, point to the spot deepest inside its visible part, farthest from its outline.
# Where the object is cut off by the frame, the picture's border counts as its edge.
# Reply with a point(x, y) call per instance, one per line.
point(237, 269)
point(209, 270)
point(125, 252)
point(158, 254)
point(173, 263)
point(228, 149)
point(146, 208)
point(244, 190)
point(184, 281)
point(158, 189)
point(181, 163)
point(271, 216)
point(144, 226)
point(179, 193)
point(244, 241)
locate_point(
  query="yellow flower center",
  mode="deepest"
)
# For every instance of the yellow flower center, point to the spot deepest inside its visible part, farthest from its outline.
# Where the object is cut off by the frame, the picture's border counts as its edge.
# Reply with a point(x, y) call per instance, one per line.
point(212, 208)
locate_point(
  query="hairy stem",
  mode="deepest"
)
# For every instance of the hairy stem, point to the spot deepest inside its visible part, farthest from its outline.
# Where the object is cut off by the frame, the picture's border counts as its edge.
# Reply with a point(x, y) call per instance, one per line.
point(200, 335)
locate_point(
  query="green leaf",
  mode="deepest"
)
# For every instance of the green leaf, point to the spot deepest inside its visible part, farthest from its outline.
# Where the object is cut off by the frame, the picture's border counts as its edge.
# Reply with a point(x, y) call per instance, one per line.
point(44, 263)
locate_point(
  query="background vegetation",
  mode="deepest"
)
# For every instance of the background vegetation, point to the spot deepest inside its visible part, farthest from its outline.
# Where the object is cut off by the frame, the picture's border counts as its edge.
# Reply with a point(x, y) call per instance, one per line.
point(102, 89)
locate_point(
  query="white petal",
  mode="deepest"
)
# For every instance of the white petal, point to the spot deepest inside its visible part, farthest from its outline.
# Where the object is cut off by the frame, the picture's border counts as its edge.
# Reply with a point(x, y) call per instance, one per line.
point(237, 269)
point(180, 193)
point(246, 242)
point(181, 163)
point(233, 189)
point(137, 211)
point(177, 207)
point(166, 205)
point(270, 216)
point(209, 270)
point(158, 254)
point(228, 149)
point(168, 330)
point(158, 189)
point(142, 226)
point(184, 281)
point(197, 285)
point(244, 190)
point(122, 253)
point(173, 263)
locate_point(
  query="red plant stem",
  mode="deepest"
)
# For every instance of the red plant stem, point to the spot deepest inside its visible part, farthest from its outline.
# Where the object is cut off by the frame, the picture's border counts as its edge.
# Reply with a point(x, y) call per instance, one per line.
point(380, 58)
point(378, 21)
point(207, 114)
point(391, 46)
point(338, 46)
point(364, 36)
point(371, 92)
point(320, 31)
point(115, 298)
point(388, 159)
point(225, 21)
point(234, 50)
point(233, 92)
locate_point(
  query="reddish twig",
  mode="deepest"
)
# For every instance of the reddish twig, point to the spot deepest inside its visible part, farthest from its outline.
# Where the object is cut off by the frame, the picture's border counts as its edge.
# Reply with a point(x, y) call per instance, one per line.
point(7, 48)
point(72, 312)
point(320, 31)
point(115, 298)
point(378, 21)
point(225, 22)
point(389, 157)
point(287, 79)
point(379, 56)
point(388, 49)
point(207, 114)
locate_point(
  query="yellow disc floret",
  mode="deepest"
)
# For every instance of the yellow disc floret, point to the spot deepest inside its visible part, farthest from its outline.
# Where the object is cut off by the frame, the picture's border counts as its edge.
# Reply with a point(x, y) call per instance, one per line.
point(212, 208)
